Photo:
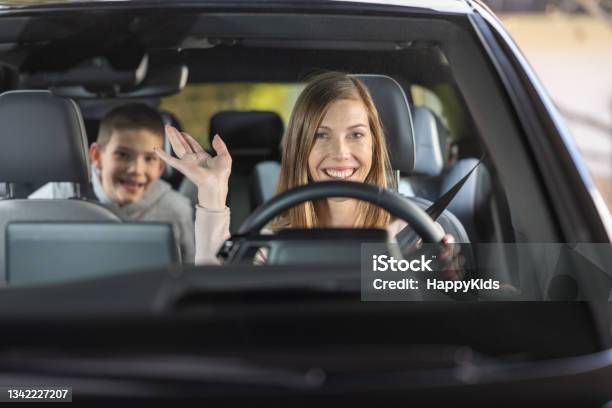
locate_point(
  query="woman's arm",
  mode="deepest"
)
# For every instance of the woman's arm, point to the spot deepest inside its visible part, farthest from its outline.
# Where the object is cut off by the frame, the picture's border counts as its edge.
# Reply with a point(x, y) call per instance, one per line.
point(211, 176)
point(211, 230)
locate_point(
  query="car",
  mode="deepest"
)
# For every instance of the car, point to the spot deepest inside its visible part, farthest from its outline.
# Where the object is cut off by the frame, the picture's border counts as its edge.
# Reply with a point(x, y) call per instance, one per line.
point(96, 309)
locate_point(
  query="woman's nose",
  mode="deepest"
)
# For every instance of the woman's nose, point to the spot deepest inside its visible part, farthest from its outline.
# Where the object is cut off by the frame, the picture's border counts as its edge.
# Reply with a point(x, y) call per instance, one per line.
point(341, 148)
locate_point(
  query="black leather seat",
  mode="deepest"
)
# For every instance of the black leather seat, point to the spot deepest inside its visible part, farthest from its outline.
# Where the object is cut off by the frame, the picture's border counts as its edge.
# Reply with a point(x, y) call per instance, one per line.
point(43, 140)
point(105, 249)
point(396, 116)
point(432, 177)
point(431, 140)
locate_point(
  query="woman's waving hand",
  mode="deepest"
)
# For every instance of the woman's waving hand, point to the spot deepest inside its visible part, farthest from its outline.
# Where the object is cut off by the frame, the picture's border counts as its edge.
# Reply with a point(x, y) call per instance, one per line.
point(210, 174)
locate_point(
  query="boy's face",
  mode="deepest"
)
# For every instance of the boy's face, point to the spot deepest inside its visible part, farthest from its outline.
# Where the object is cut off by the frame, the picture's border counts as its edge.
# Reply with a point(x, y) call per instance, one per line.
point(128, 165)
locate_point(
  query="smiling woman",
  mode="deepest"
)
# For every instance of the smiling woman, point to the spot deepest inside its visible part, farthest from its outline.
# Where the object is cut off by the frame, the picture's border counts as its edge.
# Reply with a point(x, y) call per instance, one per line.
point(334, 133)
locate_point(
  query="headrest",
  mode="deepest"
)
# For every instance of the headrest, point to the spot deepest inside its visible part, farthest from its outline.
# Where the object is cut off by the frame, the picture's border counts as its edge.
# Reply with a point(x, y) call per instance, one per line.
point(255, 134)
point(43, 139)
point(394, 112)
point(430, 139)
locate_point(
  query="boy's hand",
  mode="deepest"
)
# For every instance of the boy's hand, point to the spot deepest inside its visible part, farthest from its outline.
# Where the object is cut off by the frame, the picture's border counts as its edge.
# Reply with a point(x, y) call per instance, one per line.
point(209, 174)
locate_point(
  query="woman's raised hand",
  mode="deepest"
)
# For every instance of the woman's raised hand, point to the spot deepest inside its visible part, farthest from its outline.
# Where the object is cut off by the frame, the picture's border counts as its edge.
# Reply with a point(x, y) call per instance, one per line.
point(209, 174)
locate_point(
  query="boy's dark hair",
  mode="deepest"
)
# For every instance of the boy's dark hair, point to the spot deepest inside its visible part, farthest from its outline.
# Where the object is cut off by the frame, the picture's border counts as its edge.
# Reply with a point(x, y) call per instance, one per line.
point(130, 116)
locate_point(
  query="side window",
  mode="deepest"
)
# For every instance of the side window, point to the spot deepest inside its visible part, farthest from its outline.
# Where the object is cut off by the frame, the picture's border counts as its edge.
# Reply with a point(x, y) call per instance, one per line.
point(422, 96)
point(444, 102)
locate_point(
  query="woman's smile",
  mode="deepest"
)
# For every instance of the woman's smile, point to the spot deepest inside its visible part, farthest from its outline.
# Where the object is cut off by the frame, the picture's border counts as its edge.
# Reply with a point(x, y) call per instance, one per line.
point(340, 173)
point(343, 143)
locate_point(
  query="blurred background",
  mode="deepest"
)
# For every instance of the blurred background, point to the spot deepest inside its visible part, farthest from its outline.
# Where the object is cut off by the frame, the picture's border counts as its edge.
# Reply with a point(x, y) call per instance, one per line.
point(569, 45)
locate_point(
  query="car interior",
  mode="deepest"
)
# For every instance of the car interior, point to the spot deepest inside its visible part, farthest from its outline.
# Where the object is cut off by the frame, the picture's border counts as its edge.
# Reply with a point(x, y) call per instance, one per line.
point(126, 317)
point(431, 132)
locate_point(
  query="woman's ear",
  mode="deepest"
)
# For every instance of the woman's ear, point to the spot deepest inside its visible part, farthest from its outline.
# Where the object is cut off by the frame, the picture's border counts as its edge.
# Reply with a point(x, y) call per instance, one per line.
point(95, 155)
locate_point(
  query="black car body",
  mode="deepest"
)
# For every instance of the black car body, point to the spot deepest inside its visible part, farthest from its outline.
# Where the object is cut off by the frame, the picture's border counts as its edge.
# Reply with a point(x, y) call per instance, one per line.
point(299, 335)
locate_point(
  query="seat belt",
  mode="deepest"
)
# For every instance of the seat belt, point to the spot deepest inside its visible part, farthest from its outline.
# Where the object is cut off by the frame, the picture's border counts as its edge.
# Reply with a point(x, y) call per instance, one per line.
point(407, 235)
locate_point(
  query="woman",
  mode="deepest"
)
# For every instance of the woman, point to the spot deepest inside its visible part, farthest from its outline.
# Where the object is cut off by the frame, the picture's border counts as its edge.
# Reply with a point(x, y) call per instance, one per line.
point(334, 133)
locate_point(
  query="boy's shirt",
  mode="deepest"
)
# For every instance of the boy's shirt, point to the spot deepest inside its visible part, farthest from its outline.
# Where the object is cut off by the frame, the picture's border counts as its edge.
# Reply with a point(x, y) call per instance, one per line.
point(160, 204)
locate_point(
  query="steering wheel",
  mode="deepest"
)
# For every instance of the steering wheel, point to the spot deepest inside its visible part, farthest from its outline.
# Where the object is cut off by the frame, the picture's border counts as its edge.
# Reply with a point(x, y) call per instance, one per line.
point(388, 200)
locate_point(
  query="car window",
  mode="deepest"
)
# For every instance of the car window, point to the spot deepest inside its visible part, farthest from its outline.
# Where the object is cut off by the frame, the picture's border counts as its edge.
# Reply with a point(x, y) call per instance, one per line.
point(443, 100)
point(438, 62)
point(480, 212)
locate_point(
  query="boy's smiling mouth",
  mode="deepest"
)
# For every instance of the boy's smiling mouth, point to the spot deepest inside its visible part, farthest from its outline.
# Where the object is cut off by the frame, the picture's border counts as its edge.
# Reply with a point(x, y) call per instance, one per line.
point(131, 185)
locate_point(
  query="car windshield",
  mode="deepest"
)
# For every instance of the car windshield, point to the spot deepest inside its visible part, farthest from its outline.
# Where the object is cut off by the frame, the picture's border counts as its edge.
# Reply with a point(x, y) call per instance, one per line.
point(178, 176)
point(431, 93)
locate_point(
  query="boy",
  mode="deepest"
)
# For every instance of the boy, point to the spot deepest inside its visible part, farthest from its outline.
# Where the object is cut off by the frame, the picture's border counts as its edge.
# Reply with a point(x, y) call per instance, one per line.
point(126, 174)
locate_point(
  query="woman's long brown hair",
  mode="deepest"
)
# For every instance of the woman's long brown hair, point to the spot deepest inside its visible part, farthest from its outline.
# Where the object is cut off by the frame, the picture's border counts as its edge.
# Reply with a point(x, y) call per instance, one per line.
point(307, 115)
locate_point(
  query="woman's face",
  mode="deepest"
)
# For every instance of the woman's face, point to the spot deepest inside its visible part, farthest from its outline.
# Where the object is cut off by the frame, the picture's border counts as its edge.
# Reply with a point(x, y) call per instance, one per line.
point(343, 143)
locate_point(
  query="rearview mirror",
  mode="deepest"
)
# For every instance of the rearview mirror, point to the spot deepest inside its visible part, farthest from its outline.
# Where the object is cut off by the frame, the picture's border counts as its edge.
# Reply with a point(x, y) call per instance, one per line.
point(161, 80)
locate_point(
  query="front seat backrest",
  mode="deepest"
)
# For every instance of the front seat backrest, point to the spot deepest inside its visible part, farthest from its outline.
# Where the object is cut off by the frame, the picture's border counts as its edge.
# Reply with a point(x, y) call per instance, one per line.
point(396, 118)
point(44, 140)
point(133, 246)
point(431, 139)
point(430, 143)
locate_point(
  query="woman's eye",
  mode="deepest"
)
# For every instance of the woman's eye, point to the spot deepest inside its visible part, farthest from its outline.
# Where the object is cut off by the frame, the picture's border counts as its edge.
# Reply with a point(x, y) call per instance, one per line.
point(321, 135)
point(356, 135)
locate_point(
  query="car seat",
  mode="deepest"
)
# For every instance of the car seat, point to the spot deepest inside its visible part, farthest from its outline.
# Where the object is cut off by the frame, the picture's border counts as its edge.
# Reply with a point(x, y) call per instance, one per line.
point(104, 249)
point(396, 116)
point(433, 176)
point(44, 142)
point(431, 140)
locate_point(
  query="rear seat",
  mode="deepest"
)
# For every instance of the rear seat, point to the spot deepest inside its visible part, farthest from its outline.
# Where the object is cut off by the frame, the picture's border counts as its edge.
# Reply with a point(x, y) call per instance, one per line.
point(251, 137)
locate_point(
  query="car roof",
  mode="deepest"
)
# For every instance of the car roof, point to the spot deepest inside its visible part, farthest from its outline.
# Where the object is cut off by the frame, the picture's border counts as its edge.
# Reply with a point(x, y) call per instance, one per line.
point(443, 6)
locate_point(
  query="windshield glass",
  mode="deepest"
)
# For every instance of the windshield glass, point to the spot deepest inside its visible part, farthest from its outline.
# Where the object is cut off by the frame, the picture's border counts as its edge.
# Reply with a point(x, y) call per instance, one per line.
point(196, 143)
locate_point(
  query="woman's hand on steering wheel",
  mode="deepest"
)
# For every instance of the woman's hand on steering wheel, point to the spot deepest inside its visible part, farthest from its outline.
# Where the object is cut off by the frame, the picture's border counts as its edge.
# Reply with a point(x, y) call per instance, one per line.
point(209, 174)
